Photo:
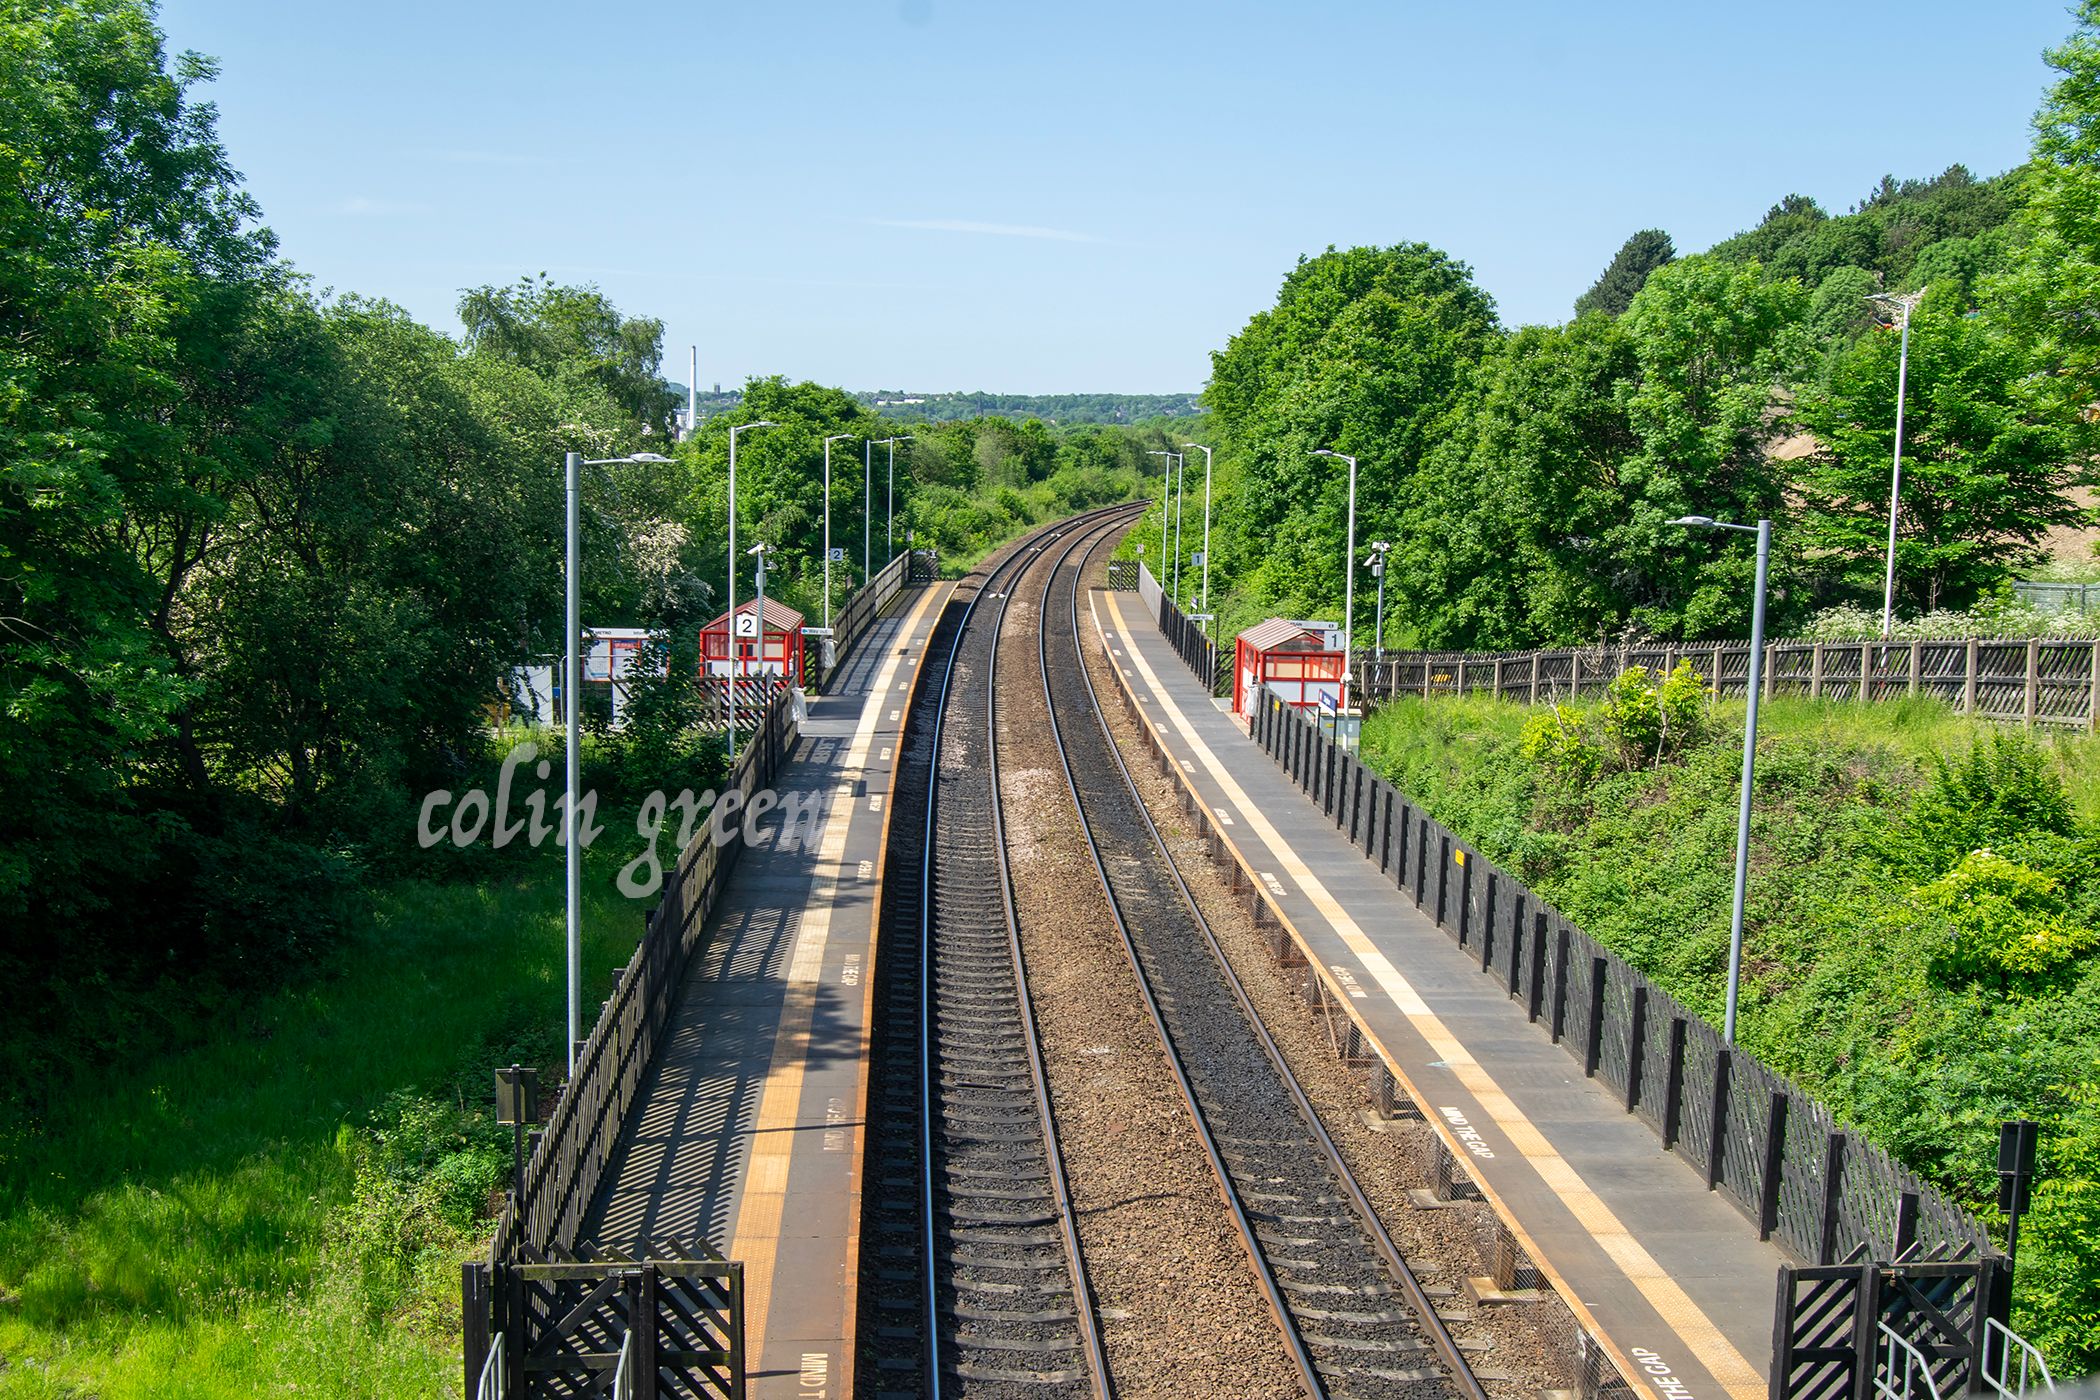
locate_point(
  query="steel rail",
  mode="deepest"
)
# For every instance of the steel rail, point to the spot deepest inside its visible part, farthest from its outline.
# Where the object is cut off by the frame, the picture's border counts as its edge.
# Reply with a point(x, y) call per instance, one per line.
point(1024, 555)
point(1432, 1325)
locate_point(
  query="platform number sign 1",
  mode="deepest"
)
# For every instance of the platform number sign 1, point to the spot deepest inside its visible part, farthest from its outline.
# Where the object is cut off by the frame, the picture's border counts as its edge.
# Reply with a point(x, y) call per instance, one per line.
point(747, 624)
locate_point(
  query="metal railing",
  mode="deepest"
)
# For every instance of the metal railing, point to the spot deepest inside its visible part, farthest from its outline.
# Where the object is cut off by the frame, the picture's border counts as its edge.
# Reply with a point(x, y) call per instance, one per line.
point(2021, 680)
point(1774, 1151)
point(2000, 1345)
point(2080, 598)
point(493, 1383)
point(1899, 1366)
point(623, 1373)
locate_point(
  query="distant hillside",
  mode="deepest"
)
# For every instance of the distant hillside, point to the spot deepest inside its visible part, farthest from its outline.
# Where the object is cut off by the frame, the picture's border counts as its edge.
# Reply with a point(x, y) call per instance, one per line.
point(908, 406)
point(1051, 408)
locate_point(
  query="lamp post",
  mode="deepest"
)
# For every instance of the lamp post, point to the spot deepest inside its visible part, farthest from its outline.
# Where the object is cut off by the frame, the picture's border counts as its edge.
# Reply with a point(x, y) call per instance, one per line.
point(1166, 490)
point(889, 524)
point(572, 745)
point(1763, 530)
point(758, 553)
point(1903, 305)
point(1206, 520)
point(1348, 577)
point(1378, 550)
point(835, 437)
point(731, 638)
point(867, 510)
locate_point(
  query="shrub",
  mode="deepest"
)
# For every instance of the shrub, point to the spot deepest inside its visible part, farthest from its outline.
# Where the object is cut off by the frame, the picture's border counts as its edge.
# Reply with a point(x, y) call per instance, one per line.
point(1646, 717)
point(1557, 741)
point(2005, 922)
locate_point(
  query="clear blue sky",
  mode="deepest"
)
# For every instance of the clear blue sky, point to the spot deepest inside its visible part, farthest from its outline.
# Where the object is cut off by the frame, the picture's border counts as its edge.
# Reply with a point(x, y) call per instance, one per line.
point(1077, 196)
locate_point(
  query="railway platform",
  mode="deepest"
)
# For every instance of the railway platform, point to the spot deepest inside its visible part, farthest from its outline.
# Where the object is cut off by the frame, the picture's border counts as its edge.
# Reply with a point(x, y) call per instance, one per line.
point(747, 1131)
point(1667, 1276)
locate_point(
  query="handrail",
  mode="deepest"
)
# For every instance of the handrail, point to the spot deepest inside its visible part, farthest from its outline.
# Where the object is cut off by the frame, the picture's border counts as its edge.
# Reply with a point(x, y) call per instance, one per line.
point(1995, 1377)
point(494, 1383)
point(1914, 1364)
point(623, 1374)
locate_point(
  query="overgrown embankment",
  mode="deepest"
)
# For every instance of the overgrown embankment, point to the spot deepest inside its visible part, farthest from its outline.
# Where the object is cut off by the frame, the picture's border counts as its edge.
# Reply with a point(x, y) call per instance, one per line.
point(1921, 927)
point(277, 1200)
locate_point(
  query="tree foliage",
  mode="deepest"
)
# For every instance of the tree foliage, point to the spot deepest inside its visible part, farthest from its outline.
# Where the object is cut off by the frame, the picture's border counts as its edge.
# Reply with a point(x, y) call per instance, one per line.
point(1987, 469)
point(1616, 287)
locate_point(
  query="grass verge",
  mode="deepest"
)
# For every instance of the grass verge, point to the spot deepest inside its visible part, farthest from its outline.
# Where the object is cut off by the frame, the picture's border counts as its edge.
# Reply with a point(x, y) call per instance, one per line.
point(282, 1210)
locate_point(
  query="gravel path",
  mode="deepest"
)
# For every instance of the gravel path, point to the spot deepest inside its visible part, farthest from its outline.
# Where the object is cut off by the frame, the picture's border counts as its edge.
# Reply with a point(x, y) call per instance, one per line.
point(1180, 1311)
point(1517, 1348)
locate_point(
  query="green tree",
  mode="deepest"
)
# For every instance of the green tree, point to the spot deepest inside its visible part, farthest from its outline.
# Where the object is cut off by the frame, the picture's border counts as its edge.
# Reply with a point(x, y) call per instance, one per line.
point(1715, 344)
point(577, 340)
point(1615, 287)
point(1368, 352)
point(1504, 545)
point(2055, 280)
point(1987, 470)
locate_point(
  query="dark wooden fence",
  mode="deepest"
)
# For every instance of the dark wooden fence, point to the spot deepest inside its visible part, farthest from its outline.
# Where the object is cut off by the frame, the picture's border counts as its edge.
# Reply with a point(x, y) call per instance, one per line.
point(1186, 636)
point(568, 1157)
point(2022, 680)
point(849, 622)
point(1823, 1192)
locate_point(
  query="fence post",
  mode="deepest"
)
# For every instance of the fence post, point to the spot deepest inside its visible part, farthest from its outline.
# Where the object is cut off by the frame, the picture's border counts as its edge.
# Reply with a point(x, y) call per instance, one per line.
point(2096, 675)
point(2092, 698)
point(1914, 649)
point(1866, 672)
point(1724, 1060)
point(1538, 966)
point(1443, 880)
point(1636, 1045)
point(1771, 649)
point(1815, 671)
point(643, 1322)
point(1574, 674)
point(1775, 1163)
point(1498, 678)
point(1906, 1224)
point(1516, 938)
point(1673, 1084)
point(1461, 676)
point(2034, 679)
point(1560, 988)
point(1593, 1034)
point(1487, 916)
point(1833, 1187)
point(1968, 678)
point(474, 1319)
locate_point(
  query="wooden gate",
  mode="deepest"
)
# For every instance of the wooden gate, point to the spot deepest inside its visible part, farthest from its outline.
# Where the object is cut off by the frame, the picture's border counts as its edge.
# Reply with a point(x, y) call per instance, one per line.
point(1827, 1341)
point(564, 1321)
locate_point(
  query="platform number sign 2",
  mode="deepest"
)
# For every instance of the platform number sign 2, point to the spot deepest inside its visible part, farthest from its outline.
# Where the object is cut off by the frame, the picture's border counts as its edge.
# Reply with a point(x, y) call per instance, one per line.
point(747, 624)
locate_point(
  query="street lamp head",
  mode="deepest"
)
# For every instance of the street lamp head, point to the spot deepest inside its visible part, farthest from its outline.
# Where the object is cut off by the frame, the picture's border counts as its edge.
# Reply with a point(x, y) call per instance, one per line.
point(841, 437)
point(648, 457)
point(1701, 522)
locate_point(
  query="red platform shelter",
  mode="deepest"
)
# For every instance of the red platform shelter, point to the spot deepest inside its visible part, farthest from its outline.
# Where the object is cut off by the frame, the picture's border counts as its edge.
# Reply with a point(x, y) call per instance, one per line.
point(1300, 662)
point(772, 647)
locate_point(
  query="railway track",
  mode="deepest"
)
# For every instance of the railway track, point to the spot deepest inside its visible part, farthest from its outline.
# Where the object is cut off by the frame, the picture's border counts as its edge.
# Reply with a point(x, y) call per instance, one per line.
point(1356, 1320)
point(972, 1281)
